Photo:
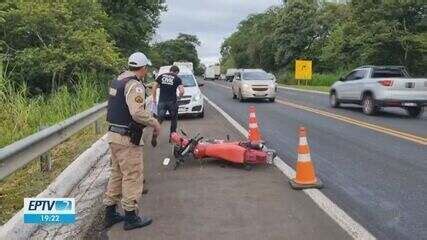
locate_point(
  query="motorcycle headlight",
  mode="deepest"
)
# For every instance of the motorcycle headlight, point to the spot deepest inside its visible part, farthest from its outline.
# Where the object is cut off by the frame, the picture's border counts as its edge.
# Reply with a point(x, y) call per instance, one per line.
point(197, 97)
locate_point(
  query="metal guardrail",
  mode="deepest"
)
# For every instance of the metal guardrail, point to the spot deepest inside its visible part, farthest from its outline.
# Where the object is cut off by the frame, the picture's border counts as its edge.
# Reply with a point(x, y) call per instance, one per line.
point(17, 154)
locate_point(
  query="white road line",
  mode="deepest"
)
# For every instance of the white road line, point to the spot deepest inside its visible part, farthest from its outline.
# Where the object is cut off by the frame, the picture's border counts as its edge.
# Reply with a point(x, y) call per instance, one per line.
point(353, 228)
point(302, 90)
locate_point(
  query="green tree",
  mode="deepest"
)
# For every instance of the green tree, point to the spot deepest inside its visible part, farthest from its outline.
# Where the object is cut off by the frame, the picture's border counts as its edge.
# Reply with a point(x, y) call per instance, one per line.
point(296, 31)
point(132, 23)
point(48, 43)
point(236, 45)
point(257, 41)
point(273, 39)
point(183, 48)
point(189, 38)
point(335, 36)
point(329, 17)
point(387, 33)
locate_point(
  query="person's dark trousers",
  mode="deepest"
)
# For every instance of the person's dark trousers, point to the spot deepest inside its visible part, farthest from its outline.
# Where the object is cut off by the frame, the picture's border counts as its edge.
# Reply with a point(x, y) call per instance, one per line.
point(172, 107)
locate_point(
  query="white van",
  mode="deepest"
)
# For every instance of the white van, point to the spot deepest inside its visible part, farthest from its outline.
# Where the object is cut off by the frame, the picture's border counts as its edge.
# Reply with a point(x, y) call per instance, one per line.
point(192, 101)
point(212, 72)
point(188, 65)
point(229, 75)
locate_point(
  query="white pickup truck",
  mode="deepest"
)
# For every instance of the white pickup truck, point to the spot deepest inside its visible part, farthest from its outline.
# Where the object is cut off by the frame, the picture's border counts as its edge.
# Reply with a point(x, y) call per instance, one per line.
point(374, 87)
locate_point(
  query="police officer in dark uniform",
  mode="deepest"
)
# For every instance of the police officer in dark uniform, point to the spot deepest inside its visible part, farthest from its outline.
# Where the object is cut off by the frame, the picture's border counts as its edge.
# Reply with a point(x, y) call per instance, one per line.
point(127, 117)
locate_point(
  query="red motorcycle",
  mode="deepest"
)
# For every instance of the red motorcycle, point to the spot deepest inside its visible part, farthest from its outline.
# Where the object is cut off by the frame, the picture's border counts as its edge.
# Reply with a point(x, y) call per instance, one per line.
point(246, 152)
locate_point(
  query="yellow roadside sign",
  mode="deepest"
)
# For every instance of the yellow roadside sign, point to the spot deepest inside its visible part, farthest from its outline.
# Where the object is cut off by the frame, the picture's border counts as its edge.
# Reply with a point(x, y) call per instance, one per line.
point(303, 69)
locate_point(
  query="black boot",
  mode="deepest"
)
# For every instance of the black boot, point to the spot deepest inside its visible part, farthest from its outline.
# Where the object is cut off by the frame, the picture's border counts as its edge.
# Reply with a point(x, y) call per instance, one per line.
point(133, 221)
point(112, 216)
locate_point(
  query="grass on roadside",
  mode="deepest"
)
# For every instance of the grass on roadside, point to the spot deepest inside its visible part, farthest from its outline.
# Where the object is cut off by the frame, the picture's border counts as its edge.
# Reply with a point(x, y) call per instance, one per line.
point(22, 115)
point(316, 88)
point(319, 82)
point(318, 79)
point(30, 181)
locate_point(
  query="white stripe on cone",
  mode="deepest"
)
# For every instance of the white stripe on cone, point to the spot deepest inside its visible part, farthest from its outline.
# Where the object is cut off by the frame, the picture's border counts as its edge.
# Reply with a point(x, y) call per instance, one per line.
point(304, 157)
point(252, 115)
point(303, 141)
point(253, 125)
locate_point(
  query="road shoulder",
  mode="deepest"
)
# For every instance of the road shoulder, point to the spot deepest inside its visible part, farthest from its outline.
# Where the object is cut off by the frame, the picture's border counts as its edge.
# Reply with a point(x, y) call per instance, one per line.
point(214, 200)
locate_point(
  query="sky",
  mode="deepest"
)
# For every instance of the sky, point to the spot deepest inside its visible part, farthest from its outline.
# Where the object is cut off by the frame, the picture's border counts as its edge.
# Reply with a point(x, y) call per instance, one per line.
point(211, 20)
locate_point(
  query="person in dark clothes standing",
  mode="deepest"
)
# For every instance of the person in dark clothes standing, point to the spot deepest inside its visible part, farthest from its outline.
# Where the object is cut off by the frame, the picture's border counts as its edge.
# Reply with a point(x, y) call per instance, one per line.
point(168, 83)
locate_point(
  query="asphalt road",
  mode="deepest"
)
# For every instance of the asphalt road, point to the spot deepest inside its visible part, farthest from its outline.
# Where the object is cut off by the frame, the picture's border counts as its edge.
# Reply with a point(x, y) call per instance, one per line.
point(211, 199)
point(395, 118)
point(378, 178)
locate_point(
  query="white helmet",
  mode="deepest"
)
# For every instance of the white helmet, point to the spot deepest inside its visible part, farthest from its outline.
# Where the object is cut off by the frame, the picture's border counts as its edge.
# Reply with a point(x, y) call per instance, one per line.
point(138, 59)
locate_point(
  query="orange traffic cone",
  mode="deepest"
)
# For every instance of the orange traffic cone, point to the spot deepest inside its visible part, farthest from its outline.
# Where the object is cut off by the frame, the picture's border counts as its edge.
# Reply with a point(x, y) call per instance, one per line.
point(306, 176)
point(254, 133)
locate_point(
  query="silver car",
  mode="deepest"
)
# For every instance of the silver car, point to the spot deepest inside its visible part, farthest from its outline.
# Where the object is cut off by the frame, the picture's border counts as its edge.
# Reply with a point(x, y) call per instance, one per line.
point(375, 87)
point(254, 84)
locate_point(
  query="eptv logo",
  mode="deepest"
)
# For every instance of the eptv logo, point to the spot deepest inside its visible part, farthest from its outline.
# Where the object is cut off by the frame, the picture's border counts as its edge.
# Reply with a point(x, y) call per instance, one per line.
point(49, 210)
point(43, 205)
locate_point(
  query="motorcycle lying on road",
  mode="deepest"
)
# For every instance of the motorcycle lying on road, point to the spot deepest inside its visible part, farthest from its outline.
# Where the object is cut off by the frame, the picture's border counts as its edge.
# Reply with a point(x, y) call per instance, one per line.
point(246, 153)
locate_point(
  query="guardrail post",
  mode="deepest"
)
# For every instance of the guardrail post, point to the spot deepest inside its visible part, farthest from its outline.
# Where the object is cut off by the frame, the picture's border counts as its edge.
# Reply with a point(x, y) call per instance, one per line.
point(45, 158)
point(97, 127)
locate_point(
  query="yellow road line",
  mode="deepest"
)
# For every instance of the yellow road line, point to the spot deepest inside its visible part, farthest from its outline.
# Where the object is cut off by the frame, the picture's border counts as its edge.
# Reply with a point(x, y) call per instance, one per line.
point(392, 132)
point(389, 131)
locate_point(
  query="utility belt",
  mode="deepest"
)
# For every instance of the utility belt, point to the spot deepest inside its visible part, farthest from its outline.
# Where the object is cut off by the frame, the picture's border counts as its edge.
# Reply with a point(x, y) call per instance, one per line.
point(134, 131)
